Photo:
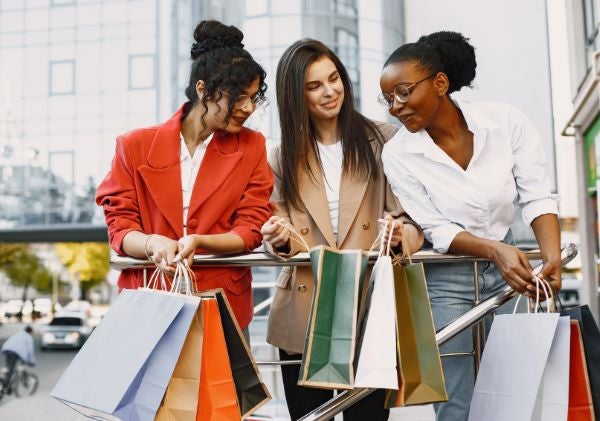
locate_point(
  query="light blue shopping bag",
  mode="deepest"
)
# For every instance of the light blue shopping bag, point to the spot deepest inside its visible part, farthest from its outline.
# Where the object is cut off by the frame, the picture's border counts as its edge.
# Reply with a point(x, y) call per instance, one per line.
point(123, 369)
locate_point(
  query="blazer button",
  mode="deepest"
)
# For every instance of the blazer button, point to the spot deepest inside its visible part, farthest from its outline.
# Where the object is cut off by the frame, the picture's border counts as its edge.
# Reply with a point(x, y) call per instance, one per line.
point(304, 231)
point(192, 223)
point(366, 225)
point(301, 288)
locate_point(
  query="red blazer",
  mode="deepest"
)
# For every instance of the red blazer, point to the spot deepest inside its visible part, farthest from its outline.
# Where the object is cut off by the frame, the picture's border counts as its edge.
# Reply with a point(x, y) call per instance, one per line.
point(142, 192)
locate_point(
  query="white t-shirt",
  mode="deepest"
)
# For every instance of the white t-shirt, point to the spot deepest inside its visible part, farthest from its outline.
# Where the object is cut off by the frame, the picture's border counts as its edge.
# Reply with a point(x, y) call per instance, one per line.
point(508, 163)
point(190, 164)
point(332, 159)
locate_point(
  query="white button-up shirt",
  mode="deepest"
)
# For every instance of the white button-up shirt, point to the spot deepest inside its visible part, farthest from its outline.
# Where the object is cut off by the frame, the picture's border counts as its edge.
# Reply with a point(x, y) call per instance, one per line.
point(508, 163)
point(190, 164)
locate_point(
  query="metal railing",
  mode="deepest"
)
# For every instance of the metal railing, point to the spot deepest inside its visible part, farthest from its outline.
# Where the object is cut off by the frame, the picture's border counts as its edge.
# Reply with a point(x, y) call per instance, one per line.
point(347, 398)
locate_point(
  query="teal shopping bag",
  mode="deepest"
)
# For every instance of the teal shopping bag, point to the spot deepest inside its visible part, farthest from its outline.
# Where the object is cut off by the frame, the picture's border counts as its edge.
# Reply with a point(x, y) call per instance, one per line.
point(328, 358)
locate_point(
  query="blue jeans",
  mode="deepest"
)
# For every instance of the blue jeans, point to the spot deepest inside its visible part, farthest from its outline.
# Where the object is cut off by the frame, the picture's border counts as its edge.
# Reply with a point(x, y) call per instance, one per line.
point(451, 292)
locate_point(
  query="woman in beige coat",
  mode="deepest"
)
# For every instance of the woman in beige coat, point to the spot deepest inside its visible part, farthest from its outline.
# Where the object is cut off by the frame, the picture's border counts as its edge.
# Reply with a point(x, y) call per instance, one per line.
point(330, 186)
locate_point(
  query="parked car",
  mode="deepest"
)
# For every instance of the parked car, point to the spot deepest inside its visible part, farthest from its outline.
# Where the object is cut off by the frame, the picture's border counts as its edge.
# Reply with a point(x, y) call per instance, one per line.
point(17, 308)
point(79, 306)
point(42, 307)
point(66, 330)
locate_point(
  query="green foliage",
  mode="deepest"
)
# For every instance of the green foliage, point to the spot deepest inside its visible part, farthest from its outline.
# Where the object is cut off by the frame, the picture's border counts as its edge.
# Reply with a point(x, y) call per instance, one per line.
point(89, 261)
point(24, 268)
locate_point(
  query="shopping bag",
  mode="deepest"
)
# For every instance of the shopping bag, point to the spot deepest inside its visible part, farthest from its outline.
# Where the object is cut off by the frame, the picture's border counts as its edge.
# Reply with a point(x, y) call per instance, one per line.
point(512, 366)
point(124, 367)
point(250, 389)
point(217, 397)
point(376, 367)
point(180, 402)
point(580, 395)
point(552, 403)
point(420, 373)
point(328, 358)
point(591, 346)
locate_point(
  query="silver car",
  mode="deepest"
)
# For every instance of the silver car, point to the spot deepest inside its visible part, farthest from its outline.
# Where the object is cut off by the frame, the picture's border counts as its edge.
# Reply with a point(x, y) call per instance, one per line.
point(66, 330)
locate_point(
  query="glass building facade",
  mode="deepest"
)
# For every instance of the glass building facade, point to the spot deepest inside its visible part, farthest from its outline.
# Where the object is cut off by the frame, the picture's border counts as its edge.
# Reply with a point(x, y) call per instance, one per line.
point(76, 73)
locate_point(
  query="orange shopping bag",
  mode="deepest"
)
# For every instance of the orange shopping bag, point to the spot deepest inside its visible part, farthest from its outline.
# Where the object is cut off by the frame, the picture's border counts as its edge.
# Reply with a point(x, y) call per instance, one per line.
point(580, 395)
point(217, 398)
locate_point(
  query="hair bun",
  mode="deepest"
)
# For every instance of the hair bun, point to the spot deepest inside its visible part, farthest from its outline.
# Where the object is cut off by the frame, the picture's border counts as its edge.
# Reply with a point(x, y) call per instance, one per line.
point(211, 34)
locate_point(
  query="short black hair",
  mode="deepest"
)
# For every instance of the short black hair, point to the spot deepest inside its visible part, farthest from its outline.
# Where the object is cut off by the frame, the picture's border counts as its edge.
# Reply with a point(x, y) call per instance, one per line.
point(28, 329)
point(445, 51)
point(220, 60)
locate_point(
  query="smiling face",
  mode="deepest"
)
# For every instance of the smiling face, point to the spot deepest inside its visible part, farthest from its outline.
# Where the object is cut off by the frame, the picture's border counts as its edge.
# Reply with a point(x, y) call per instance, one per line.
point(323, 90)
point(424, 99)
point(216, 110)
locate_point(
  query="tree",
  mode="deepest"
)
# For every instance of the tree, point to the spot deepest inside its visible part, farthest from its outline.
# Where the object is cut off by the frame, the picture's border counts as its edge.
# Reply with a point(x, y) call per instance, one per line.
point(24, 268)
point(87, 261)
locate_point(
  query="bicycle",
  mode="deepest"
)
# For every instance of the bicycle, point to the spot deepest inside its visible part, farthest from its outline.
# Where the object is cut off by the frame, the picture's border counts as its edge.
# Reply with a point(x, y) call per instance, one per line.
point(22, 383)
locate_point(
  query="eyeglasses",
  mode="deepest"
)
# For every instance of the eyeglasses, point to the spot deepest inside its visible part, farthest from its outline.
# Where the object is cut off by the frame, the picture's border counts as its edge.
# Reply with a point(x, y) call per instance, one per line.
point(401, 94)
point(243, 100)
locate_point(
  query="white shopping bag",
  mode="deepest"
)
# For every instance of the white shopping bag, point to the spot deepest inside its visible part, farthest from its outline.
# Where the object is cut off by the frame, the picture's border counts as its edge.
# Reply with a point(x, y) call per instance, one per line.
point(520, 365)
point(377, 359)
point(552, 403)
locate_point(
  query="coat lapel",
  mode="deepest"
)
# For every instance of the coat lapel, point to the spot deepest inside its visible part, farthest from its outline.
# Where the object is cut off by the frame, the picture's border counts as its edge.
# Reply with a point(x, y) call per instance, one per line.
point(162, 175)
point(312, 193)
point(219, 162)
point(352, 192)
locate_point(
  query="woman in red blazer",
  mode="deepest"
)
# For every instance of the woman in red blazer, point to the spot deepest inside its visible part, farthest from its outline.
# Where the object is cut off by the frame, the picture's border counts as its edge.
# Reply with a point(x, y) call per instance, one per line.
point(199, 182)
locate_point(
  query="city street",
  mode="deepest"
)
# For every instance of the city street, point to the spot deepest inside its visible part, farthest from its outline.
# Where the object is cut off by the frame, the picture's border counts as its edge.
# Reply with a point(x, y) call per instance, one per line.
point(51, 364)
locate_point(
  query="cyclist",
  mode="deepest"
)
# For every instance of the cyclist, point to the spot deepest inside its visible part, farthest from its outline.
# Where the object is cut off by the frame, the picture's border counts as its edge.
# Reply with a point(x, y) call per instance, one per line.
point(18, 347)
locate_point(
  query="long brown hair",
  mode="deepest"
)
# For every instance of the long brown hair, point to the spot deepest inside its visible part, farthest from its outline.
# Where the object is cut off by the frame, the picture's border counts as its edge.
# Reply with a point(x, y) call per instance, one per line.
point(298, 139)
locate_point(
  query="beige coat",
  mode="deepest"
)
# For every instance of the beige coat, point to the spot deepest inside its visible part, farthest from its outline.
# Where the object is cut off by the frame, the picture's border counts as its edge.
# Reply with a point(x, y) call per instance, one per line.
point(362, 203)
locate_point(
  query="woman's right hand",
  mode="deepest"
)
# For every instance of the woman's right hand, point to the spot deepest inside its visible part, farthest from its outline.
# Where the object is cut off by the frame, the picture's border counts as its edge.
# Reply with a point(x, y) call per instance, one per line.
point(275, 232)
point(162, 250)
point(514, 267)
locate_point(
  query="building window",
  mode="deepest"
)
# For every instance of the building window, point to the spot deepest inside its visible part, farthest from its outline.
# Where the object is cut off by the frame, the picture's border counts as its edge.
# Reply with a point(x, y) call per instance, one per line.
point(345, 7)
point(589, 24)
point(141, 72)
point(62, 77)
point(62, 2)
point(346, 47)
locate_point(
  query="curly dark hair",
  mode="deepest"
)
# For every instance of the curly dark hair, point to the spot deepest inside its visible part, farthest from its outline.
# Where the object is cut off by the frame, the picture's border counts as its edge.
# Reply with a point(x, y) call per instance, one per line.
point(220, 60)
point(445, 51)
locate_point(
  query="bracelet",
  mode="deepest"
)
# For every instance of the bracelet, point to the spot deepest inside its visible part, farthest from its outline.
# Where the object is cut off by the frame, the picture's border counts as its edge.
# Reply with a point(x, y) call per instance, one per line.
point(146, 246)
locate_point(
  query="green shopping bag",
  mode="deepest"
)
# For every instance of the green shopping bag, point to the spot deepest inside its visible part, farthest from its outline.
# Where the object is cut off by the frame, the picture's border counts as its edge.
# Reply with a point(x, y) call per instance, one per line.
point(328, 358)
point(420, 374)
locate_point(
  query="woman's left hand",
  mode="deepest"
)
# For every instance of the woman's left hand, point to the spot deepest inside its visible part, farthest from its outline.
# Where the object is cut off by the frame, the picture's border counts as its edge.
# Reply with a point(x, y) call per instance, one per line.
point(187, 249)
point(396, 233)
point(551, 272)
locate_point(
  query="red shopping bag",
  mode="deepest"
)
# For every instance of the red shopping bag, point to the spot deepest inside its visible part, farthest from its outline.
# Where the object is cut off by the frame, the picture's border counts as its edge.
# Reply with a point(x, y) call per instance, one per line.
point(217, 397)
point(580, 395)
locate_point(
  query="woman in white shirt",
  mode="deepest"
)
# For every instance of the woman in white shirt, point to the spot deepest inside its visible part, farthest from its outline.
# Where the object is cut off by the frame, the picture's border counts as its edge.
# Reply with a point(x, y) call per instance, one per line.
point(329, 185)
point(457, 168)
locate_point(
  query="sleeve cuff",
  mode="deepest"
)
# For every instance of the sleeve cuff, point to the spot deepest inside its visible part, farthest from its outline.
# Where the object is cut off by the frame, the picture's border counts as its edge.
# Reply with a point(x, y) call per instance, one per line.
point(441, 237)
point(539, 207)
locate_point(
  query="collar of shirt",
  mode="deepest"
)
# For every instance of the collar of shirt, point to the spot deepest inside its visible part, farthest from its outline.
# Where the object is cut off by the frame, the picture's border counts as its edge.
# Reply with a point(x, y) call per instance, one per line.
point(421, 143)
point(184, 153)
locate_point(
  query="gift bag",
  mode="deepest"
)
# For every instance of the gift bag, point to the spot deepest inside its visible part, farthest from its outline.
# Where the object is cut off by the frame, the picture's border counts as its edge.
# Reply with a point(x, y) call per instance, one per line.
point(124, 367)
point(250, 389)
point(329, 349)
point(552, 403)
point(420, 374)
point(376, 366)
point(512, 366)
point(217, 397)
point(580, 395)
point(591, 346)
point(180, 402)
